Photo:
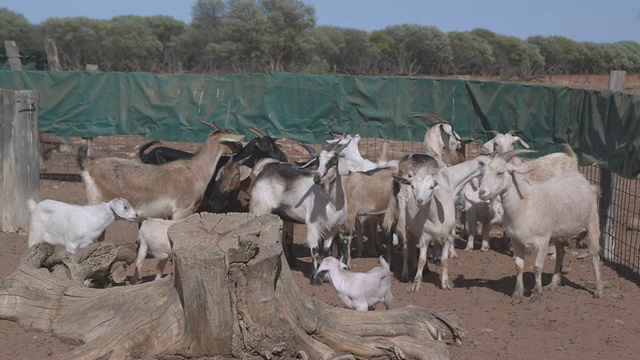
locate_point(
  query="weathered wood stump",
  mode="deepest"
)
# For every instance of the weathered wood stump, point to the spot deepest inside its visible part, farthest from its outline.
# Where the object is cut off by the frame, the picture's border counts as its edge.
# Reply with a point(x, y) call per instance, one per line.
point(231, 295)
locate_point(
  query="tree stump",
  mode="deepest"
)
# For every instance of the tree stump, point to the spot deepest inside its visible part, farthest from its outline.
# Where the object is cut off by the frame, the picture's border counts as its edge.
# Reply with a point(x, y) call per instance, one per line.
point(231, 295)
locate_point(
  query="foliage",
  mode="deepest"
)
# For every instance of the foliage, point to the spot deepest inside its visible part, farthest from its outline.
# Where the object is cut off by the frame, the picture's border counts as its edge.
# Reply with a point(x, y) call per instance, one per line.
point(227, 36)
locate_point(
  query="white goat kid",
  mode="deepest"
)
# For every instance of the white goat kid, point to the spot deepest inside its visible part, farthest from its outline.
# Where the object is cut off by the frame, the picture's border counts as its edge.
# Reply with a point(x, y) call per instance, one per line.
point(359, 291)
point(539, 213)
point(153, 240)
point(74, 226)
point(304, 196)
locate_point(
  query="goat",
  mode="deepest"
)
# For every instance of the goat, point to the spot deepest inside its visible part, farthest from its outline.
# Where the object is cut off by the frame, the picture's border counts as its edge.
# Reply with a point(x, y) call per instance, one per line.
point(172, 190)
point(502, 143)
point(368, 193)
point(542, 168)
point(538, 213)
point(300, 195)
point(430, 211)
point(74, 226)
point(359, 291)
point(440, 138)
point(153, 240)
point(352, 160)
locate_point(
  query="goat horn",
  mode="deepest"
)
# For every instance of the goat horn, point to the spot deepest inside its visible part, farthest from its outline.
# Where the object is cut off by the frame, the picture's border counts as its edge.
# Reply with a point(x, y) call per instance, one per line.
point(257, 132)
point(341, 147)
point(213, 126)
point(510, 154)
point(511, 132)
point(492, 132)
point(309, 149)
point(436, 119)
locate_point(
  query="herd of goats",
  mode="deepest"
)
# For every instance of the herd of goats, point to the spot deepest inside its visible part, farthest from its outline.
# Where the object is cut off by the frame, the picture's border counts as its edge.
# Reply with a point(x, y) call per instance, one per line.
point(416, 200)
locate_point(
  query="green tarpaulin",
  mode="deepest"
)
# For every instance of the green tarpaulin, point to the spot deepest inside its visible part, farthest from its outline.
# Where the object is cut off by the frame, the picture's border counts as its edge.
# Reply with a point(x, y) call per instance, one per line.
point(601, 126)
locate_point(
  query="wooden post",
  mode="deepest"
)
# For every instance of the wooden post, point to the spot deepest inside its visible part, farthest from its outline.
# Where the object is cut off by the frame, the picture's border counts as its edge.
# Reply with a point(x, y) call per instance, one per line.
point(13, 54)
point(19, 172)
point(52, 54)
point(608, 182)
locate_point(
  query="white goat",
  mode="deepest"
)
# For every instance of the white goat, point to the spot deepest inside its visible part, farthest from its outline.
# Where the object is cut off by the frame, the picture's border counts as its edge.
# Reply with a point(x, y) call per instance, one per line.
point(153, 240)
point(490, 213)
point(351, 158)
point(430, 212)
point(359, 291)
point(539, 213)
point(74, 226)
point(300, 195)
point(439, 138)
point(172, 190)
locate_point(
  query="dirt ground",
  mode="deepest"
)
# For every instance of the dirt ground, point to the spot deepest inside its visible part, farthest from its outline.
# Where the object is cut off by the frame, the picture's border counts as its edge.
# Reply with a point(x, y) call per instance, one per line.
point(566, 324)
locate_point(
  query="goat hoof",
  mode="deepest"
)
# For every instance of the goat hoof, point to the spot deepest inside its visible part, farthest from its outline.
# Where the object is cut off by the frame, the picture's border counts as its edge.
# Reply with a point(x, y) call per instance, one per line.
point(535, 297)
point(414, 287)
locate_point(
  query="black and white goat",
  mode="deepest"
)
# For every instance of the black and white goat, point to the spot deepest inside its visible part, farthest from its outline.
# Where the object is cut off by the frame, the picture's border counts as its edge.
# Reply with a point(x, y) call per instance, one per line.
point(300, 195)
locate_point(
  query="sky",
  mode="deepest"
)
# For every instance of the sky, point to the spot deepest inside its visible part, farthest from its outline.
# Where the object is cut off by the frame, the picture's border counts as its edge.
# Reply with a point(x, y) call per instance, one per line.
point(579, 20)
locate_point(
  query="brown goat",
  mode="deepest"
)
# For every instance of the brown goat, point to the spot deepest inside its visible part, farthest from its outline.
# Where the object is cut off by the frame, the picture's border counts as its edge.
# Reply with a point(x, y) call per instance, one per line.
point(172, 190)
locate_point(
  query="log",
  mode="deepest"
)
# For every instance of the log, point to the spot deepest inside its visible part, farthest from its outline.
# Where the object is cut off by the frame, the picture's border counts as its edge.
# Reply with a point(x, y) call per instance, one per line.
point(231, 295)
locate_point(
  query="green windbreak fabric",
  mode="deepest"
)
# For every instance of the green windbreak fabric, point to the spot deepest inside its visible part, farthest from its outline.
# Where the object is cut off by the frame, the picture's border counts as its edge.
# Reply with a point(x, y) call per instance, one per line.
point(601, 126)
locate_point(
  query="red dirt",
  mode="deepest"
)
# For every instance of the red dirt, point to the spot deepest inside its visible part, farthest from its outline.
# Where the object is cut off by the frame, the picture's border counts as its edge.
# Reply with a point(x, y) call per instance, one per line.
point(566, 324)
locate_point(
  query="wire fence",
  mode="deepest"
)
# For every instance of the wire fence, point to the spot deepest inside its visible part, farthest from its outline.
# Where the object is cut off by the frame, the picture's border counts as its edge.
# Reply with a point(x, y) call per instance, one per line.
point(623, 231)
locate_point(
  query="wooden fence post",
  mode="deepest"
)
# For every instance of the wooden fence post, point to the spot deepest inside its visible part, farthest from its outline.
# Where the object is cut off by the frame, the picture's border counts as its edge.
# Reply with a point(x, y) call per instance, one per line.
point(13, 54)
point(20, 169)
point(608, 182)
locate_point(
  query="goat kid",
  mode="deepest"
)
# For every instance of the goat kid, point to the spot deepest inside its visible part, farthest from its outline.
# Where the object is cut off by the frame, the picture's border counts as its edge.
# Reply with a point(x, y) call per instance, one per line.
point(299, 195)
point(539, 213)
point(359, 291)
point(74, 226)
point(153, 240)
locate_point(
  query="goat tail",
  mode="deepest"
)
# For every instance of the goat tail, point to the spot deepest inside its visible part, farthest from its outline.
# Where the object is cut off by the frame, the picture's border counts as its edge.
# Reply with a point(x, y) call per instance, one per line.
point(391, 214)
point(382, 157)
point(570, 152)
point(144, 147)
point(384, 263)
point(597, 190)
point(31, 204)
point(82, 158)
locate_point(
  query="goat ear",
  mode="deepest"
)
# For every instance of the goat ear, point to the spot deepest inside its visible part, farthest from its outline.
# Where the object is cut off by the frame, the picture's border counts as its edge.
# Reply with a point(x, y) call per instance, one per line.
point(245, 171)
point(520, 169)
point(401, 180)
point(487, 146)
point(522, 142)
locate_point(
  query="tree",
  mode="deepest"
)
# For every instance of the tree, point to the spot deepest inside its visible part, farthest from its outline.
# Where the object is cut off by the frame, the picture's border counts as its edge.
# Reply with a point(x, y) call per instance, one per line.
point(470, 53)
point(167, 30)
point(78, 39)
point(131, 45)
point(413, 49)
point(561, 55)
point(16, 27)
point(514, 57)
point(341, 50)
